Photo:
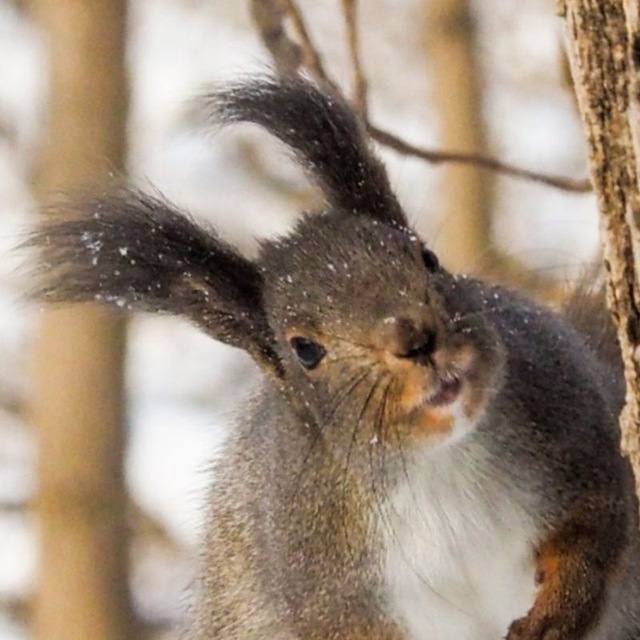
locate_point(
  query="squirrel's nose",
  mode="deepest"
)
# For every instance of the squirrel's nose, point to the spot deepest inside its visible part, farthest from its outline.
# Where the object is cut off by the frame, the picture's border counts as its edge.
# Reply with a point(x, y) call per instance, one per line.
point(404, 339)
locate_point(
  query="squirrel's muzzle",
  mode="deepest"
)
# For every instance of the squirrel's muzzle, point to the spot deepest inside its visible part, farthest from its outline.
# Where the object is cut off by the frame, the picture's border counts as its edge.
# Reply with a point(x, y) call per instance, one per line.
point(405, 338)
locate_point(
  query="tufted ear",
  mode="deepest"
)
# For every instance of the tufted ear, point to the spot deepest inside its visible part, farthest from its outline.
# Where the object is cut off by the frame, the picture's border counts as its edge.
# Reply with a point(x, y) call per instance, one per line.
point(136, 251)
point(324, 134)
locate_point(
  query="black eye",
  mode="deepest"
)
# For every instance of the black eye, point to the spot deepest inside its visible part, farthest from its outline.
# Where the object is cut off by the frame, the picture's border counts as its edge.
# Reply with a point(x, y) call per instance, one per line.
point(309, 353)
point(430, 260)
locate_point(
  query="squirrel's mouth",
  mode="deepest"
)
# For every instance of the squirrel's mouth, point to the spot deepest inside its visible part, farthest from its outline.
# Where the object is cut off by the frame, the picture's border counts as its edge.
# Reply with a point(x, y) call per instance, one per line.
point(443, 397)
point(434, 398)
point(445, 389)
point(431, 406)
point(433, 402)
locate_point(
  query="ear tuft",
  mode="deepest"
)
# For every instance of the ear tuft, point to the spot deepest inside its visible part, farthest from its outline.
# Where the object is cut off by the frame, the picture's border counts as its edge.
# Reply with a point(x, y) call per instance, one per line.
point(137, 251)
point(323, 132)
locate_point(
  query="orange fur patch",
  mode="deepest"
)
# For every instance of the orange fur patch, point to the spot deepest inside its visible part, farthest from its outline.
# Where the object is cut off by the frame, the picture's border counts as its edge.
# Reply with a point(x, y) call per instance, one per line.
point(433, 421)
point(547, 566)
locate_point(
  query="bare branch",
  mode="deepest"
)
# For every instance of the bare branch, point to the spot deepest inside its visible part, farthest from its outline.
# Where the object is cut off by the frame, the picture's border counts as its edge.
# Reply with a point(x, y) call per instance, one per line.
point(8, 507)
point(478, 160)
point(360, 86)
point(311, 57)
point(312, 61)
point(17, 609)
point(268, 16)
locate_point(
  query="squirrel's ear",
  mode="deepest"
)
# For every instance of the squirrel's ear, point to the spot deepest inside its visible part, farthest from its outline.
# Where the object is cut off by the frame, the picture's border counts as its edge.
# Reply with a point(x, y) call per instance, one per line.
point(324, 134)
point(138, 252)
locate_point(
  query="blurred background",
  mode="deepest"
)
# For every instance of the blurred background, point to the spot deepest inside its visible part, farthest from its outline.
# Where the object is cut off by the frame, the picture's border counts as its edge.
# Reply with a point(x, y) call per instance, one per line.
point(108, 425)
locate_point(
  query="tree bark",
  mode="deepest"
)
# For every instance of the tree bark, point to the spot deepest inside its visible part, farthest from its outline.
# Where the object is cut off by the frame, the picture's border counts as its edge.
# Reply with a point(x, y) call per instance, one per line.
point(465, 236)
point(600, 40)
point(78, 370)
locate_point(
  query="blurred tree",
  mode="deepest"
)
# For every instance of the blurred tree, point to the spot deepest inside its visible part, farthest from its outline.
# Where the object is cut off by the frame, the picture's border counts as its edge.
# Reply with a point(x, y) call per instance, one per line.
point(78, 369)
point(465, 238)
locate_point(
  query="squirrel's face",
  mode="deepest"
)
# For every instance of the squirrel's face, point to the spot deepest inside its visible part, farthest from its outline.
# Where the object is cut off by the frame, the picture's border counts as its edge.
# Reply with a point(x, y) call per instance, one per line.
point(349, 316)
point(371, 332)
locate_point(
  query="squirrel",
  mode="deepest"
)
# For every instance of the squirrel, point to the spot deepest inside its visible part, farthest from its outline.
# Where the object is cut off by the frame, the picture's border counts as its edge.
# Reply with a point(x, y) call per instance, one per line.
point(431, 457)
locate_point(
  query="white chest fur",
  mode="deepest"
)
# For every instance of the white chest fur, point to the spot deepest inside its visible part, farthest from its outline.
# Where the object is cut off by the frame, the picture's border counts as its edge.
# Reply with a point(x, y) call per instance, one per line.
point(459, 548)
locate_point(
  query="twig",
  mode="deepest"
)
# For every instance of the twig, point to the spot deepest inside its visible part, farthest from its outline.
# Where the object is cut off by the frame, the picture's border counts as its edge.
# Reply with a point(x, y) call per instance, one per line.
point(312, 60)
point(17, 609)
point(360, 87)
point(478, 160)
point(310, 55)
point(14, 506)
point(269, 18)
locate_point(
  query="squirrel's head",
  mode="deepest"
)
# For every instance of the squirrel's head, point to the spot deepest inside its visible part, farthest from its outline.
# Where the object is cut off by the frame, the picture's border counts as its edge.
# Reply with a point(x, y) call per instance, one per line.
point(350, 315)
point(373, 332)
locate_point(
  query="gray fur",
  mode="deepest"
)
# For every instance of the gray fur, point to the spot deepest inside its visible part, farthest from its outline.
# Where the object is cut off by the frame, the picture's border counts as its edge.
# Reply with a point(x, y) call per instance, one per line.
point(446, 414)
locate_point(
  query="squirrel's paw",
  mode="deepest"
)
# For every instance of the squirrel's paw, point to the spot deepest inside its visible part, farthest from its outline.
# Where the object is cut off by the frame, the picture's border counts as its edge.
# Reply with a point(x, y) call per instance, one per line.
point(533, 627)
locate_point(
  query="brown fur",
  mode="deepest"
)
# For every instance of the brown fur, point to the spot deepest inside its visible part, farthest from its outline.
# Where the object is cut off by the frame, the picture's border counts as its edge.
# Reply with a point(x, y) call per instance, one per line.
point(573, 567)
point(296, 543)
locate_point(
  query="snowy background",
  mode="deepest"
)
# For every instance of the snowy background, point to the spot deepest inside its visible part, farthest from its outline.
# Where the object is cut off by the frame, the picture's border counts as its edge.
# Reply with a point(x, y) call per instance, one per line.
point(184, 388)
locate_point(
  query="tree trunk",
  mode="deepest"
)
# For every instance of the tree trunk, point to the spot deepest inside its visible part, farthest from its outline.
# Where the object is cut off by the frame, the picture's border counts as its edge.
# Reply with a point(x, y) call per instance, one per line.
point(603, 50)
point(78, 369)
point(465, 237)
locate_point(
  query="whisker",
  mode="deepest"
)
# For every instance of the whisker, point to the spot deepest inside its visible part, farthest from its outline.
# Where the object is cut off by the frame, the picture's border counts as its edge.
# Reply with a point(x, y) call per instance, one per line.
point(479, 313)
point(388, 509)
point(370, 395)
point(382, 474)
point(341, 396)
point(381, 450)
point(354, 435)
point(383, 410)
point(358, 377)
